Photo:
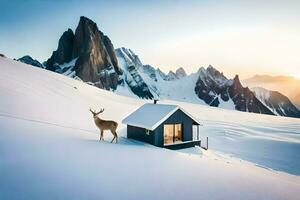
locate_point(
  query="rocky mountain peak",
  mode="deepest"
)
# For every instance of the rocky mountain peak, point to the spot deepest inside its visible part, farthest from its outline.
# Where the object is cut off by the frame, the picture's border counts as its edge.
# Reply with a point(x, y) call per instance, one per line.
point(180, 73)
point(63, 54)
point(89, 55)
point(213, 87)
point(276, 102)
point(87, 37)
point(214, 72)
point(171, 76)
point(30, 61)
point(236, 85)
point(236, 78)
point(96, 61)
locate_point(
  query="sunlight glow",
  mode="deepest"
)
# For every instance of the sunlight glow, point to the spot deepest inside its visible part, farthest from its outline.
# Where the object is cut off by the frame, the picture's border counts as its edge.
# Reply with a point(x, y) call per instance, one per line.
point(297, 76)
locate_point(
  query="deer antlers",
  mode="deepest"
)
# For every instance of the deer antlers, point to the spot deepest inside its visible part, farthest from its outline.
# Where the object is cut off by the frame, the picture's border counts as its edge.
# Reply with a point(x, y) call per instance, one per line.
point(97, 113)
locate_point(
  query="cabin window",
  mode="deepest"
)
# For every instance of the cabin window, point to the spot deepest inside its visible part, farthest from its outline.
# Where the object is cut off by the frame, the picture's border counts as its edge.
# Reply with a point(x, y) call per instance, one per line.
point(172, 133)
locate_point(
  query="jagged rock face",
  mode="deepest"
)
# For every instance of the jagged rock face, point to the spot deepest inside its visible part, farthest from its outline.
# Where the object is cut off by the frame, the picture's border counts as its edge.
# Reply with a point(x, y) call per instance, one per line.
point(131, 66)
point(171, 76)
point(180, 73)
point(245, 99)
point(64, 51)
point(96, 61)
point(151, 71)
point(111, 52)
point(30, 61)
point(212, 87)
point(276, 102)
point(162, 74)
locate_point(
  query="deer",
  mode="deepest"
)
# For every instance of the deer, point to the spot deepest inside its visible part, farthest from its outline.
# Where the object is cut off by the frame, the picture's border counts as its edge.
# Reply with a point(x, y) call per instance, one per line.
point(105, 125)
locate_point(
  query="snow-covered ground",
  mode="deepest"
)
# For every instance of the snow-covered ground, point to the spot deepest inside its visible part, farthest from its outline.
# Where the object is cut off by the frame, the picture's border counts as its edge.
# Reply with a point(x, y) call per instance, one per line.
point(49, 147)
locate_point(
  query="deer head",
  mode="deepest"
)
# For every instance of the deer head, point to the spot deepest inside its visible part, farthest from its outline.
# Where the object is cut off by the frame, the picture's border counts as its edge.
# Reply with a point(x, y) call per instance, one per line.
point(96, 113)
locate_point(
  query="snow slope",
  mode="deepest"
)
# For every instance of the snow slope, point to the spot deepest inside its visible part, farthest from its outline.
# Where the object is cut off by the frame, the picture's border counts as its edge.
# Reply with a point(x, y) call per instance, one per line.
point(49, 147)
point(161, 86)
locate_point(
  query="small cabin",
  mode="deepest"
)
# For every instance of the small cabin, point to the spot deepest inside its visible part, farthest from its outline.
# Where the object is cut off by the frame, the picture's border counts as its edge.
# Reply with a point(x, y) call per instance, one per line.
point(163, 125)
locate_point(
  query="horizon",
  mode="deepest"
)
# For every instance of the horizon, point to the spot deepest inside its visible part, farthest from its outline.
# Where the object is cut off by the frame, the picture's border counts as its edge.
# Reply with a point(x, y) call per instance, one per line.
point(236, 38)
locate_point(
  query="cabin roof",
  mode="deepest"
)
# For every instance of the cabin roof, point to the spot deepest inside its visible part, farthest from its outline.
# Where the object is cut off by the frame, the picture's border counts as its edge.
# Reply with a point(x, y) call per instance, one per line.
point(150, 116)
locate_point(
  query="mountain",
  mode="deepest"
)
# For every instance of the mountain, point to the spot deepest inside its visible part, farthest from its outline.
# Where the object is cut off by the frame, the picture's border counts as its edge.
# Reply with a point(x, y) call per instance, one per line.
point(286, 85)
point(89, 55)
point(146, 81)
point(213, 87)
point(131, 65)
point(92, 53)
point(276, 102)
point(30, 61)
point(178, 74)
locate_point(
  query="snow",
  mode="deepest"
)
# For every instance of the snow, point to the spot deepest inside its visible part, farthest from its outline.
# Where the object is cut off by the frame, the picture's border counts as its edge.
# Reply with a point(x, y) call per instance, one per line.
point(160, 88)
point(49, 147)
point(67, 68)
point(150, 115)
point(264, 96)
point(226, 104)
point(68, 64)
point(261, 93)
point(186, 85)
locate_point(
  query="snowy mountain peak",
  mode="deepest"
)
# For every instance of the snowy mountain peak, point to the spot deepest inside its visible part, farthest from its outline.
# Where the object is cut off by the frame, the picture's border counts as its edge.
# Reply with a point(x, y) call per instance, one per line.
point(216, 90)
point(135, 74)
point(89, 55)
point(30, 61)
point(211, 74)
point(171, 76)
point(276, 102)
point(96, 61)
point(180, 73)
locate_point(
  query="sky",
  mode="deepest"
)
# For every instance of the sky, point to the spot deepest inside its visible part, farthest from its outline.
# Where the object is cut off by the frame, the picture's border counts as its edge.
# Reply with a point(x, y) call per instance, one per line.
point(236, 37)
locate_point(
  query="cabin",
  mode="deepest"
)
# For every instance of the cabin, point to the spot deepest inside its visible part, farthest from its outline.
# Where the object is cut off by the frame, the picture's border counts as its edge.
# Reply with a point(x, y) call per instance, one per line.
point(163, 125)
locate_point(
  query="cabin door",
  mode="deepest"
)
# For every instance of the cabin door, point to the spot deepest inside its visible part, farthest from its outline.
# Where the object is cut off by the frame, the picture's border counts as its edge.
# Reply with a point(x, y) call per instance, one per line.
point(172, 133)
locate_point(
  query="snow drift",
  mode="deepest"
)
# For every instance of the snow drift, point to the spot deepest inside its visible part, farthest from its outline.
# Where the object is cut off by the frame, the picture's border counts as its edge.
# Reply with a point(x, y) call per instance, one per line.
point(49, 147)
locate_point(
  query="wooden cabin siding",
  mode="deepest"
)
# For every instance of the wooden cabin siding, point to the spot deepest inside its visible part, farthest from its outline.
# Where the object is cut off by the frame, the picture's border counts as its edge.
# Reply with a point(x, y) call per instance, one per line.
point(138, 133)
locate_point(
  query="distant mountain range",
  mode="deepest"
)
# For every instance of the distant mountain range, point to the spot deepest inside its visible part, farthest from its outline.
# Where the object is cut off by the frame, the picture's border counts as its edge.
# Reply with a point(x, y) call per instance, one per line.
point(89, 55)
point(286, 85)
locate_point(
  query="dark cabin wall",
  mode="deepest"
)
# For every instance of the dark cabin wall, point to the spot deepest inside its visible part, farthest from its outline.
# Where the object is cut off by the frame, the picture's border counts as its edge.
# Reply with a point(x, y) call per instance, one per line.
point(138, 133)
point(177, 117)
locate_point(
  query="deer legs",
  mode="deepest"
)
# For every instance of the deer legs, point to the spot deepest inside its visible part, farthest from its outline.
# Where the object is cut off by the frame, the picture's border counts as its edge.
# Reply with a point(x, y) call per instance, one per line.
point(101, 135)
point(115, 137)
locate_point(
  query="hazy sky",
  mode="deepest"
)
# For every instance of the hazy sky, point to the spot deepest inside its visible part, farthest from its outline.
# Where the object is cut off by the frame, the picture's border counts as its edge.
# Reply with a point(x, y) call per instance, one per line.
point(237, 37)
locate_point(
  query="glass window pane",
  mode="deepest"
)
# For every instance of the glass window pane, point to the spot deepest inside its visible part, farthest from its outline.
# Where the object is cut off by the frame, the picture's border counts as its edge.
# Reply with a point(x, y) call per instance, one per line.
point(168, 134)
point(172, 133)
point(178, 132)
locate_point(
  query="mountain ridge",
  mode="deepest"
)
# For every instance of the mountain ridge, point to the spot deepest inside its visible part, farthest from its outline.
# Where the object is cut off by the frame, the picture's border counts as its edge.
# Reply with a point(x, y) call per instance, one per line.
point(87, 54)
point(286, 85)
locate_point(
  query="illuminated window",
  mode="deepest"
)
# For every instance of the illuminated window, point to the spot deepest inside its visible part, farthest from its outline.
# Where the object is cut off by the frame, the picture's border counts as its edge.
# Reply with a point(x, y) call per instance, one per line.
point(172, 133)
